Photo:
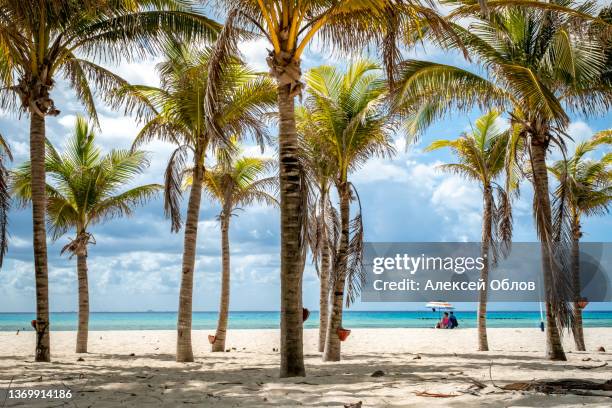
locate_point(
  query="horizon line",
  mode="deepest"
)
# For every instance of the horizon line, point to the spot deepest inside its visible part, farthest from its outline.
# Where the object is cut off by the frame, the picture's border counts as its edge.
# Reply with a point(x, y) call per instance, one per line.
point(278, 311)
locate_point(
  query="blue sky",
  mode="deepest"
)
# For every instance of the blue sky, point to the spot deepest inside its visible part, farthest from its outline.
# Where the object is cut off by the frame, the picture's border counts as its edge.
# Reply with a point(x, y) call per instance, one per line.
point(135, 265)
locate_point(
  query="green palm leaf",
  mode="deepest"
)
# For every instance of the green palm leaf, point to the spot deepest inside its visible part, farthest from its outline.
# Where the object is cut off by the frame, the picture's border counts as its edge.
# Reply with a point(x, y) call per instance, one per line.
point(85, 186)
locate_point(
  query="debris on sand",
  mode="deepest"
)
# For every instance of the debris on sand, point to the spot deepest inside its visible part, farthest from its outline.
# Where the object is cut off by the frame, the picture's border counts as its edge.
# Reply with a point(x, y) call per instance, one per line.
point(577, 387)
point(434, 395)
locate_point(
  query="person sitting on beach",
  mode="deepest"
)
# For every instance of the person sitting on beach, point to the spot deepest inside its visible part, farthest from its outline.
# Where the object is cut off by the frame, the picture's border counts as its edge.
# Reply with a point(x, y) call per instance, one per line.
point(452, 321)
point(444, 323)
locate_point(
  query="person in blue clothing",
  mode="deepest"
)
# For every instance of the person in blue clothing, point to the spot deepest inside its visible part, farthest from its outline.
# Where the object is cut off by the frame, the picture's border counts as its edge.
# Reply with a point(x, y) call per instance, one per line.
point(452, 320)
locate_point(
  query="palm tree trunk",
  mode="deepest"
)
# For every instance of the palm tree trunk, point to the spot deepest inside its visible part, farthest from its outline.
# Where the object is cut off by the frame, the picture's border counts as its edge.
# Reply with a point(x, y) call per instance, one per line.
point(220, 334)
point(554, 348)
point(324, 277)
point(483, 344)
point(39, 204)
point(324, 296)
point(332, 341)
point(83, 328)
point(577, 323)
point(291, 342)
point(184, 352)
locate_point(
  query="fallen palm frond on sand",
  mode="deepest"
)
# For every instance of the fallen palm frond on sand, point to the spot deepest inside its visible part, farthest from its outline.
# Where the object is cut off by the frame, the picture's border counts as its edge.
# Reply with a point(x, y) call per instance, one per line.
point(578, 387)
point(435, 395)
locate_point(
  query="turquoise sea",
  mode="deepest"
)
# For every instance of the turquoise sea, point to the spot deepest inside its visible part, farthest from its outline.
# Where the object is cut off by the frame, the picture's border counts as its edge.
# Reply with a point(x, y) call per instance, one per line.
point(270, 320)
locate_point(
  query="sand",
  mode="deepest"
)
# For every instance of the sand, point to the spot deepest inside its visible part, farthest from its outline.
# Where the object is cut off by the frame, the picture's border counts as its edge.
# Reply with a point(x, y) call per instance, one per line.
point(413, 360)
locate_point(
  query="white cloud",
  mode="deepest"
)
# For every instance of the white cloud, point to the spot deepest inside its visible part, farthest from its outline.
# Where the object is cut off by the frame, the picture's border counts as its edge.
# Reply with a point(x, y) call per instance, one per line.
point(456, 194)
point(424, 175)
point(376, 170)
point(18, 242)
point(116, 131)
point(253, 150)
point(137, 73)
point(403, 168)
point(578, 131)
point(255, 53)
point(67, 121)
point(135, 272)
point(20, 150)
point(255, 268)
point(459, 202)
point(21, 276)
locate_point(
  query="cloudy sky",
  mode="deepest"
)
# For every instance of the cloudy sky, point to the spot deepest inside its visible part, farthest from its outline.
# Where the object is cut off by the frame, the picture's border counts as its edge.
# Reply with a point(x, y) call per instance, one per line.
point(135, 265)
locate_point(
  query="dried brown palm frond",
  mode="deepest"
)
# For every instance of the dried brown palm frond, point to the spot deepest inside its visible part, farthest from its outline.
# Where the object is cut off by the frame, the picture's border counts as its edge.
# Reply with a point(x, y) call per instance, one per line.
point(78, 246)
point(321, 226)
point(504, 225)
point(173, 183)
point(355, 271)
point(555, 253)
point(319, 167)
point(5, 197)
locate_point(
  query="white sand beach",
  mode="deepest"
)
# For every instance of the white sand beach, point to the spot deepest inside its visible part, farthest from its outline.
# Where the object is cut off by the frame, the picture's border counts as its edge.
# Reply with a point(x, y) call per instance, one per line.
point(137, 369)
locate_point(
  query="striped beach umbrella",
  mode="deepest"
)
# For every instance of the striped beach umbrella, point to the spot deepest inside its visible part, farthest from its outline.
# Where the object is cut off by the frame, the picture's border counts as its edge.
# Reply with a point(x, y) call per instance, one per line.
point(439, 305)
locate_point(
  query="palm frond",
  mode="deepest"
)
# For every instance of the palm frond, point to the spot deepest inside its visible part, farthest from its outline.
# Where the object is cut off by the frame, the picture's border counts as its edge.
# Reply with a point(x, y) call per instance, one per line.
point(163, 129)
point(222, 55)
point(123, 204)
point(83, 74)
point(355, 270)
point(139, 34)
point(533, 95)
point(5, 196)
point(173, 180)
point(428, 91)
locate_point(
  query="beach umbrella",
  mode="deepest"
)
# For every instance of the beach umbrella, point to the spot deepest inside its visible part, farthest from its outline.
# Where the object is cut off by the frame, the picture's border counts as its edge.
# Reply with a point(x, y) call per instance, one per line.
point(440, 306)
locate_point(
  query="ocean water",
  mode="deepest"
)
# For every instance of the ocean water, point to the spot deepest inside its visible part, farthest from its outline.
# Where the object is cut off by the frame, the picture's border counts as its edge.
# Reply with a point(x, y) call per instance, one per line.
point(270, 320)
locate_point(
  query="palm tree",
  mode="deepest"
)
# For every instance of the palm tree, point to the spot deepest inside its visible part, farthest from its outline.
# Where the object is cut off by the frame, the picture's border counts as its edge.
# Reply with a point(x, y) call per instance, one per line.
point(319, 167)
point(349, 112)
point(85, 190)
point(43, 39)
point(605, 36)
point(205, 96)
point(482, 158)
point(5, 196)
point(585, 189)
point(234, 182)
point(290, 27)
point(538, 71)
